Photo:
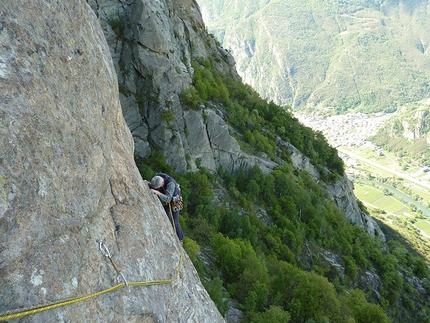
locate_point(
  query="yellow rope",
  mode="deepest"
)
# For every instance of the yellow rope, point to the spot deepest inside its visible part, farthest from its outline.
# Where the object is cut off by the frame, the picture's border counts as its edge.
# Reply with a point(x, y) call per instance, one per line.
point(13, 314)
point(37, 309)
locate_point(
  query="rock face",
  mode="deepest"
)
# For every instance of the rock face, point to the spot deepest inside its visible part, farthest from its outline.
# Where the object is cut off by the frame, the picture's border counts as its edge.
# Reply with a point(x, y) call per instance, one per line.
point(67, 177)
point(342, 192)
point(415, 127)
point(343, 195)
point(153, 44)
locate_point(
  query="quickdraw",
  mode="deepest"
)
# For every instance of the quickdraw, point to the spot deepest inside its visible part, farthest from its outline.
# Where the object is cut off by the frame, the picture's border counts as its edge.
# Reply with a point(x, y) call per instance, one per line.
point(105, 251)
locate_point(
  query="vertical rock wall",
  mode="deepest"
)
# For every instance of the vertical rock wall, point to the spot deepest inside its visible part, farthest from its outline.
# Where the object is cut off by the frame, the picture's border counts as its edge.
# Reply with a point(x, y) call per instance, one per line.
point(67, 177)
point(153, 44)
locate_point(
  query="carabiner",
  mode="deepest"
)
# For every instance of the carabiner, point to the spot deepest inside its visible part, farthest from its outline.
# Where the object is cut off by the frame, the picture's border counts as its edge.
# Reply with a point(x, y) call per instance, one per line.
point(102, 246)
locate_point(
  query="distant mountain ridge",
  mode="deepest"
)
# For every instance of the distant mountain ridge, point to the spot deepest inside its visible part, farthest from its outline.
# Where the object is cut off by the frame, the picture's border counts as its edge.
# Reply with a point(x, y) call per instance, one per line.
point(331, 56)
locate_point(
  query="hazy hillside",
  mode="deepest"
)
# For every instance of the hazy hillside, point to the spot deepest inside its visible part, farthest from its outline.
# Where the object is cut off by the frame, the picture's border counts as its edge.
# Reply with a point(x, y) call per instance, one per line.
point(407, 133)
point(355, 54)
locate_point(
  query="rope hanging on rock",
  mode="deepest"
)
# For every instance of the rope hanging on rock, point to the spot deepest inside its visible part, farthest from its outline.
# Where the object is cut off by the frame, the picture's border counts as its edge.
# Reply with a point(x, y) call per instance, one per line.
point(13, 314)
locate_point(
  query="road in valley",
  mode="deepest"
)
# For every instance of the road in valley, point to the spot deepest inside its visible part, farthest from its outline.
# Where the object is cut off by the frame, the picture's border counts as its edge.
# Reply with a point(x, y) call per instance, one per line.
point(352, 131)
point(387, 169)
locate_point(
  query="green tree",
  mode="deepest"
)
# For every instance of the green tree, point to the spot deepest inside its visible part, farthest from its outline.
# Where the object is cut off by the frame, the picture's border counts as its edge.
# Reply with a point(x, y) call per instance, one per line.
point(257, 297)
point(231, 223)
point(420, 268)
point(190, 98)
point(220, 297)
point(350, 267)
point(254, 271)
point(201, 88)
point(274, 314)
point(253, 189)
point(230, 255)
point(316, 298)
point(206, 208)
point(364, 312)
point(192, 248)
point(199, 186)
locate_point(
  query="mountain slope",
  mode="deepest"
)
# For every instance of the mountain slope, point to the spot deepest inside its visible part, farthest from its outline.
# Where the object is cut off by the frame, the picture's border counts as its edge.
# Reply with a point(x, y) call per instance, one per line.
point(407, 134)
point(156, 65)
point(280, 195)
point(284, 247)
point(337, 56)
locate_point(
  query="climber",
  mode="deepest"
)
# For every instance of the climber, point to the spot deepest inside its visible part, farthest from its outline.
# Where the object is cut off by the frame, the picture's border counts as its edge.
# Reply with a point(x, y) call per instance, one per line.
point(168, 191)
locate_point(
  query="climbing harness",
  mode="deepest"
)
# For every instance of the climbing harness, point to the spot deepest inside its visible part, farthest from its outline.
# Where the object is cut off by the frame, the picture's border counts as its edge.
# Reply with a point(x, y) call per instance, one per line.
point(105, 251)
point(12, 314)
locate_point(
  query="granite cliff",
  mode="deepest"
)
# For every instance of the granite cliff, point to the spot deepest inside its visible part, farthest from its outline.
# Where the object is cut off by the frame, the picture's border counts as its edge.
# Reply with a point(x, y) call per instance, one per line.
point(153, 44)
point(68, 177)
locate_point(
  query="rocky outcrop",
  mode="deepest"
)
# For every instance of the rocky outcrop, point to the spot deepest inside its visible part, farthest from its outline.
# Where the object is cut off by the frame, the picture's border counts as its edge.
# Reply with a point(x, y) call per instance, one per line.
point(209, 138)
point(415, 127)
point(153, 44)
point(67, 177)
point(342, 192)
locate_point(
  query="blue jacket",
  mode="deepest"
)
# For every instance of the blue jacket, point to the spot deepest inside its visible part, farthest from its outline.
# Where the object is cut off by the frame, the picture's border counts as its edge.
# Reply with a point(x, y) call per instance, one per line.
point(170, 189)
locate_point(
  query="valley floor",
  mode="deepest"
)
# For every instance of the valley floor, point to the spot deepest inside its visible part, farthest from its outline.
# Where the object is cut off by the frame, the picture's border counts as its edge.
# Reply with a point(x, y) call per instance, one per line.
point(348, 134)
point(383, 182)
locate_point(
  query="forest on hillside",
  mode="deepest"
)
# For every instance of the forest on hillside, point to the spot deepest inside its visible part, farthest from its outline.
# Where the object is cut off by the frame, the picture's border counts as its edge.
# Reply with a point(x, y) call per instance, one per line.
point(276, 244)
